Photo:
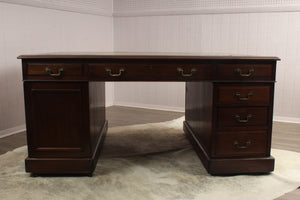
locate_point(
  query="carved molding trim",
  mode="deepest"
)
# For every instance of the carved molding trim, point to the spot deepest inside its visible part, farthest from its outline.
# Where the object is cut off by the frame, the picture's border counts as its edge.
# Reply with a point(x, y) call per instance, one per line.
point(195, 7)
point(135, 8)
point(93, 7)
point(199, 11)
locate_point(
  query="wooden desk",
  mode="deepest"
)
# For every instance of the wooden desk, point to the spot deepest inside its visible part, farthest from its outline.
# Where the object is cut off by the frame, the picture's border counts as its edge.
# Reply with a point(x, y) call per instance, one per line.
point(229, 107)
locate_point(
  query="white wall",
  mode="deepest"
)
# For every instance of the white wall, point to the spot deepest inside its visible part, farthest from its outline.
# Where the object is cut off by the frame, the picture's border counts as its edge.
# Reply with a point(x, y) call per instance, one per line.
point(29, 30)
point(199, 26)
point(262, 30)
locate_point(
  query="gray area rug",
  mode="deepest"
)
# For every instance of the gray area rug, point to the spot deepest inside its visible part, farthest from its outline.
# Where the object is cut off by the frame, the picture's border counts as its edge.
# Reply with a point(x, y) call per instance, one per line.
point(152, 161)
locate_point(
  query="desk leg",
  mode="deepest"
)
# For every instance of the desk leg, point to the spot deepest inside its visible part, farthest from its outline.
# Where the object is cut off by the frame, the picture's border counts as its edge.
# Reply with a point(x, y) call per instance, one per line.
point(66, 126)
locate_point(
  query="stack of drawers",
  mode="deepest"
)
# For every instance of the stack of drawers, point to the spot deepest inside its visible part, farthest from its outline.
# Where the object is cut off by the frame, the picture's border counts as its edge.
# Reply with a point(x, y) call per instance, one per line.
point(242, 113)
point(242, 120)
point(243, 105)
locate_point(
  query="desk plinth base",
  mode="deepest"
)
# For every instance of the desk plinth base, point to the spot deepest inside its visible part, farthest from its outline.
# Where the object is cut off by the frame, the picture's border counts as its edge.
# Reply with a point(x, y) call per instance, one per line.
point(80, 166)
point(229, 166)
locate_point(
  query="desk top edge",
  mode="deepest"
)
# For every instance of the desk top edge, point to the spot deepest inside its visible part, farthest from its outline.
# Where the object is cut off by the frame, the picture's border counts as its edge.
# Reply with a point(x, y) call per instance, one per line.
point(129, 55)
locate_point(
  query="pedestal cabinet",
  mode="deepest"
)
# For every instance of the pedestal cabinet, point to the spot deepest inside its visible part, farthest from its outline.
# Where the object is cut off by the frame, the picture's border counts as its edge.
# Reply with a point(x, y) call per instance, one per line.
point(65, 126)
point(231, 128)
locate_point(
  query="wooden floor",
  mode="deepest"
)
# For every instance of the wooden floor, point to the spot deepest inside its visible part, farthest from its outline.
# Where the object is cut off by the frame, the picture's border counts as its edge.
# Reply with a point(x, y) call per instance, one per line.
point(285, 135)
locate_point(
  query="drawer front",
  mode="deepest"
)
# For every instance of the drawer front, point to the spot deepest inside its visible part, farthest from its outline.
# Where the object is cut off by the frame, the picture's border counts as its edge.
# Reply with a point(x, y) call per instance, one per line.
point(117, 71)
point(244, 94)
point(54, 71)
point(246, 72)
point(244, 117)
point(247, 143)
point(149, 71)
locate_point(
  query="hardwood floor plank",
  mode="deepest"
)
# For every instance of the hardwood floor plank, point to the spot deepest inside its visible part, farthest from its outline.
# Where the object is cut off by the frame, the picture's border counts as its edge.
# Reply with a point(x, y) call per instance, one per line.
point(294, 195)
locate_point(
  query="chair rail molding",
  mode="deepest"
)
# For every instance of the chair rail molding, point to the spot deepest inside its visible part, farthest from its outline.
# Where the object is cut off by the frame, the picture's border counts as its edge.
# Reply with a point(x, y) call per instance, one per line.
point(93, 7)
point(134, 8)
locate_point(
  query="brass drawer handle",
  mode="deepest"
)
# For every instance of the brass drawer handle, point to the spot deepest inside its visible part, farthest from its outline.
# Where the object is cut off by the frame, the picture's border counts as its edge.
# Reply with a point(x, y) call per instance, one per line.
point(60, 71)
point(239, 71)
point(238, 118)
point(115, 75)
point(193, 70)
point(238, 95)
point(245, 146)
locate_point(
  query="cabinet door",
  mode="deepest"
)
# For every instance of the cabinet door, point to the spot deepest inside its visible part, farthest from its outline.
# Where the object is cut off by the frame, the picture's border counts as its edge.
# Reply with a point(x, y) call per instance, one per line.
point(57, 119)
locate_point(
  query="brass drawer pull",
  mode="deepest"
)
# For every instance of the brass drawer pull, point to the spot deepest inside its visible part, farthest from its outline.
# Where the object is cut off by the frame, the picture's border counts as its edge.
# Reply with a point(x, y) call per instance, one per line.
point(239, 71)
point(115, 75)
point(60, 71)
point(238, 118)
point(238, 95)
point(193, 70)
point(245, 146)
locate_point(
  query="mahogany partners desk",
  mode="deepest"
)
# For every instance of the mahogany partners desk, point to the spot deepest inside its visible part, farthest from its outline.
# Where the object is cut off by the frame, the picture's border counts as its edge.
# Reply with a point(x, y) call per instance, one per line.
point(228, 113)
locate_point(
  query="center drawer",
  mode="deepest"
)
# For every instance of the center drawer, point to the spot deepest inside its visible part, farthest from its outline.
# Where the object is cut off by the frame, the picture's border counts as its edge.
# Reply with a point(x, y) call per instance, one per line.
point(149, 71)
